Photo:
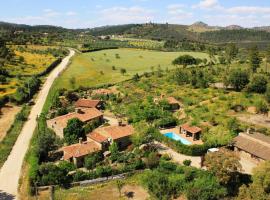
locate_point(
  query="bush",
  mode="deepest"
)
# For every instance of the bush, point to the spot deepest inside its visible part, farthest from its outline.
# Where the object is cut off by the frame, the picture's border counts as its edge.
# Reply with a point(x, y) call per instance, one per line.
point(187, 162)
point(104, 171)
point(258, 84)
point(152, 160)
point(80, 176)
point(50, 174)
point(91, 161)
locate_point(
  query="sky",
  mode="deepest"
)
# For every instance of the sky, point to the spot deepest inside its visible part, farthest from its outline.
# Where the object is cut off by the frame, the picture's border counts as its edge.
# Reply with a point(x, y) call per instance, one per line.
point(94, 13)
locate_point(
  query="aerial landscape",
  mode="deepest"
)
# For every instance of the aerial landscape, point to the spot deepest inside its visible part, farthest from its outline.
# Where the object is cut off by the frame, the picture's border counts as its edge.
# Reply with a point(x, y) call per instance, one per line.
point(135, 99)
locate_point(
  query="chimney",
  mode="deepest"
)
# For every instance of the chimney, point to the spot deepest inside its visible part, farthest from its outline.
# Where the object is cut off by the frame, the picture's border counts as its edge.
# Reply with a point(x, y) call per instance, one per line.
point(120, 123)
point(80, 140)
point(79, 111)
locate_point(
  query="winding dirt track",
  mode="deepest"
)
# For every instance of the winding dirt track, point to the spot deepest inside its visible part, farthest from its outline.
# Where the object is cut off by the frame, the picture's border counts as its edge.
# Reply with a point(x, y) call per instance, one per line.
point(10, 172)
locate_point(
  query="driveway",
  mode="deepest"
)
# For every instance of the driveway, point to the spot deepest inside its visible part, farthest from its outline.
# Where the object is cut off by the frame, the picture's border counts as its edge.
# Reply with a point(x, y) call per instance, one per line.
point(177, 157)
point(10, 172)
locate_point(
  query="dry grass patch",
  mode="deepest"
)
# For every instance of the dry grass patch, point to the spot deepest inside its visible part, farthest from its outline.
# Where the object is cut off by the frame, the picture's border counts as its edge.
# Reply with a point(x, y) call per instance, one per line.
point(7, 117)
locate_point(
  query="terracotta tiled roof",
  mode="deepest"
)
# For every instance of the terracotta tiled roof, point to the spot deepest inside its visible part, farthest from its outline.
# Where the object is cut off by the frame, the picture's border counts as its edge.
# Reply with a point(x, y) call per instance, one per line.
point(84, 115)
point(255, 144)
point(97, 137)
point(78, 150)
point(114, 132)
point(191, 129)
point(172, 100)
point(87, 103)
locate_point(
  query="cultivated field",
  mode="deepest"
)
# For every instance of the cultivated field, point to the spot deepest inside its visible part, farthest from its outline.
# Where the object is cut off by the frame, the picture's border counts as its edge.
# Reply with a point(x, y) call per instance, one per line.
point(96, 68)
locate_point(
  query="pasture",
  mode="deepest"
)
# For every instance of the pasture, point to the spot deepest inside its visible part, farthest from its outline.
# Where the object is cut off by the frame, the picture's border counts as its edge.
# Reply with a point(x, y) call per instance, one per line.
point(103, 67)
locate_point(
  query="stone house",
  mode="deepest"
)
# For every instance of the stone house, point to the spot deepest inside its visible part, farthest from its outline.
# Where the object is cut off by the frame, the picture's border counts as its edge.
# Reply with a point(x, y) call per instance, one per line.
point(85, 115)
point(76, 152)
point(105, 136)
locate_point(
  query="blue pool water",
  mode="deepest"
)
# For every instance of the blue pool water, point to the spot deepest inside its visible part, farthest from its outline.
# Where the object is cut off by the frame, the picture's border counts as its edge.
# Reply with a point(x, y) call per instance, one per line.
point(177, 138)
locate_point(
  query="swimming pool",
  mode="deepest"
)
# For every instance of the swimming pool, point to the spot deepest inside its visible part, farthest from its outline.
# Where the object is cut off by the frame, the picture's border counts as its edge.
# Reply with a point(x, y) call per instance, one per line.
point(177, 138)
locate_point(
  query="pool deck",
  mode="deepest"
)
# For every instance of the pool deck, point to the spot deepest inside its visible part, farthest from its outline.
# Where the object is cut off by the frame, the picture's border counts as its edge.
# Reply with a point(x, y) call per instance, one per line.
point(176, 130)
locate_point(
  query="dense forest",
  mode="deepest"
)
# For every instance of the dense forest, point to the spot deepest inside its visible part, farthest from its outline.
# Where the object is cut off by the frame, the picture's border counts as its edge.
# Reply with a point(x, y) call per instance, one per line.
point(20, 34)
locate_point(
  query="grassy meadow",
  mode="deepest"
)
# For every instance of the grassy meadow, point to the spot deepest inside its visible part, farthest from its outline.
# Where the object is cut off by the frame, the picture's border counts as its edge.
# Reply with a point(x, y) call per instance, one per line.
point(96, 68)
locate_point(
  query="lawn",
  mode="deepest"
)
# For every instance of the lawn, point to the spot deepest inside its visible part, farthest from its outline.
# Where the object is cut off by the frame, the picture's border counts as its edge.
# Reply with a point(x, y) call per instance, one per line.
point(95, 68)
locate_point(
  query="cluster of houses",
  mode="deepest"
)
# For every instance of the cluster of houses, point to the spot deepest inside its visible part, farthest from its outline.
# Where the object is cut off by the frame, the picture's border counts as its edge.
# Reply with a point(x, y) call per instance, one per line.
point(252, 146)
point(100, 139)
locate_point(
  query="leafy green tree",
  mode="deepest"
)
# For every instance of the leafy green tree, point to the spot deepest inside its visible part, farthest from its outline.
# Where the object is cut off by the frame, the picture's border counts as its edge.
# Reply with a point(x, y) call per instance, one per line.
point(259, 189)
point(258, 84)
point(267, 93)
point(20, 95)
point(73, 131)
point(123, 71)
point(217, 135)
point(205, 187)
point(158, 184)
point(120, 184)
point(255, 59)
point(238, 79)
point(141, 135)
point(152, 160)
point(136, 77)
point(66, 166)
point(91, 160)
point(231, 52)
point(184, 60)
point(262, 107)
point(51, 174)
point(114, 151)
point(224, 164)
point(72, 82)
point(182, 77)
point(46, 142)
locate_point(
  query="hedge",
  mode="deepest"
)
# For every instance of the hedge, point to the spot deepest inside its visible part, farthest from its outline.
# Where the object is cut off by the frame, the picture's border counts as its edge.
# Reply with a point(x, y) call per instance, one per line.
point(190, 150)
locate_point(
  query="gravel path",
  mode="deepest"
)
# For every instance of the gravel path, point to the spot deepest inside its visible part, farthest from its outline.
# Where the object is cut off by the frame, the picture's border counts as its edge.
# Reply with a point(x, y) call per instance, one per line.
point(10, 172)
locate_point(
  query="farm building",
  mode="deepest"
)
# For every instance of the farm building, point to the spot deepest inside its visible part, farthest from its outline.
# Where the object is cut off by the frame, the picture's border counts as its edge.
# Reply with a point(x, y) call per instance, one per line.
point(85, 115)
point(191, 131)
point(89, 103)
point(254, 147)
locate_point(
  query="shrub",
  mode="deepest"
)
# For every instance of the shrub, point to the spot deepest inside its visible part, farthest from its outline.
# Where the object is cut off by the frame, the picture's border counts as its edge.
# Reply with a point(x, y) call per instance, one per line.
point(258, 84)
point(187, 162)
point(104, 171)
point(91, 161)
point(152, 160)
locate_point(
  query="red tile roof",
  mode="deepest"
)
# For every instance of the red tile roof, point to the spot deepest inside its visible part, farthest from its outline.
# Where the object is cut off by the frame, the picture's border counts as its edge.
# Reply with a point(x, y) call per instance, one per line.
point(78, 150)
point(191, 129)
point(87, 103)
point(97, 137)
point(84, 115)
point(114, 132)
point(172, 100)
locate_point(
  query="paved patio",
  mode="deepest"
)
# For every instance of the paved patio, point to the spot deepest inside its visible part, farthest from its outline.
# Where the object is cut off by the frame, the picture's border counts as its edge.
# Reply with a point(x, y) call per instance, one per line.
point(176, 130)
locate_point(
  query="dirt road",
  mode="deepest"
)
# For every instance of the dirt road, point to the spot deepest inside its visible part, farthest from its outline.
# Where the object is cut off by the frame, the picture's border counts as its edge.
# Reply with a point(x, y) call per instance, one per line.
point(10, 172)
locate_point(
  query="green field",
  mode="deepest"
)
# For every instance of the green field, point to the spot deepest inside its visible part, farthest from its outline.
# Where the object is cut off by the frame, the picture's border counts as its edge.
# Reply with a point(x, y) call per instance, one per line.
point(95, 68)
